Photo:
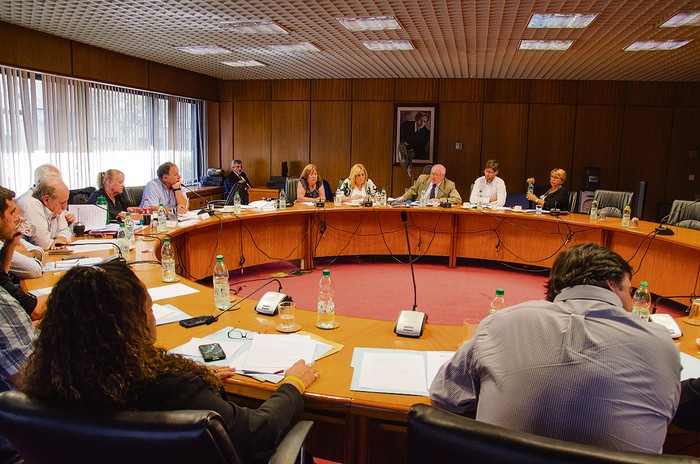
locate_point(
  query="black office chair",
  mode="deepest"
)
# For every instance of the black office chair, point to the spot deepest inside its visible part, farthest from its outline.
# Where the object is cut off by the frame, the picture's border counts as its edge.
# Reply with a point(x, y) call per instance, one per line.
point(612, 202)
point(290, 189)
point(43, 432)
point(80, 196)
point(573, 199)
point(436, 436)
point(685, 214)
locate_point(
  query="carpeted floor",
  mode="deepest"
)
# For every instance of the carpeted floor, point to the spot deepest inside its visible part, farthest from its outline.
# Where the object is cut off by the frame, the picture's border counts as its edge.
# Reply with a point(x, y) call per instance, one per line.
point(379, 287)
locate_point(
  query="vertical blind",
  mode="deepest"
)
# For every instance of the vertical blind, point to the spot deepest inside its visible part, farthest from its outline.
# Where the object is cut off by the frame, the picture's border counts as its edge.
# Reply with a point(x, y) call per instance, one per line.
point(84, 128)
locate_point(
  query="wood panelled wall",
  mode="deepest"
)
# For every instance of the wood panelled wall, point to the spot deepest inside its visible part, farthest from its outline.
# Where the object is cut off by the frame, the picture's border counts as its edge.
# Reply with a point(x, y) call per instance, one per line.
point(632, 130)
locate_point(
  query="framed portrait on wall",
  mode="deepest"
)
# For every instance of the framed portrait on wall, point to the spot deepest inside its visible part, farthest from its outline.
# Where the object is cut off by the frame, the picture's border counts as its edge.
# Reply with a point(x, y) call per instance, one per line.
point(415, 128)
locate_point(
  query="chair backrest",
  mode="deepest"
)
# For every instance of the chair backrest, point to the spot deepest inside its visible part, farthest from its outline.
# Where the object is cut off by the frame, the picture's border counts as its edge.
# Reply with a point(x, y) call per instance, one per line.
point(684, 213)
point(44, 432)
point(573, 199)
point(436, 436)
point(290, 189)
point(80, 196)
point(516, 199)
point(427, 168)
point(612, 202)
point(327, 189)
point(134, 194)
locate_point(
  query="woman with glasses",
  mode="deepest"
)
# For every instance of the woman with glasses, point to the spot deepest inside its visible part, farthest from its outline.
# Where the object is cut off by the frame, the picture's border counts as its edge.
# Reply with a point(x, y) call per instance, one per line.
point(553, 195)
point(358, 186)
point(96, 348)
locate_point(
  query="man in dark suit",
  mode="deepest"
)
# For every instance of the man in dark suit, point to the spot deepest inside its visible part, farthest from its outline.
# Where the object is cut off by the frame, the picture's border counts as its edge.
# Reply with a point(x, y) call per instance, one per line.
point(237, 175)
point(415, 135)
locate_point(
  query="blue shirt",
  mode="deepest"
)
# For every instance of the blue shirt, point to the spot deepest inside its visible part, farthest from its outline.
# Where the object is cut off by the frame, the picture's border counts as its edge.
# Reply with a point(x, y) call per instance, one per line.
point(156, 192)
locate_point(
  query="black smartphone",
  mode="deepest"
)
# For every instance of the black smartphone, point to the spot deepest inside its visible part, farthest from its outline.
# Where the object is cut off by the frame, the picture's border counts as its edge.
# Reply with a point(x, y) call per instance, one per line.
point(212, 352)
point(195, 321)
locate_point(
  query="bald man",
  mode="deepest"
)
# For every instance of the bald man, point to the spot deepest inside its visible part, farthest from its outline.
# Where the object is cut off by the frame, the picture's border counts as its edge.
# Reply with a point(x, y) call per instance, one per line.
point(46, 209)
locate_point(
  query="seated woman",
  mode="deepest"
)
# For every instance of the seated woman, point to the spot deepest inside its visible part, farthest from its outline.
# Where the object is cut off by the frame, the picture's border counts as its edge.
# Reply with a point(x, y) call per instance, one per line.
point(96, 348)
point(310, 188)
point(552, 196)
point(111, 184)
point(357, 186)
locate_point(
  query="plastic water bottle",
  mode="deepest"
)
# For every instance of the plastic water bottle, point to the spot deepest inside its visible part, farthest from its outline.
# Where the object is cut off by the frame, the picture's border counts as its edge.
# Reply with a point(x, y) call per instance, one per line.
point(531, 188)
point(594, 210)
point(641, 301)
point(123, 241)
point(498, 301)
point(480, 202)
point(102, 203)
point(167, 261)
point(325, 319)
point(282, 199)
point(162, 219)
point(130, 230)
point(626, 215)
point(382, 198)
point(236, 203)
point(338, 200)
point(422, 197)
point(222, 295)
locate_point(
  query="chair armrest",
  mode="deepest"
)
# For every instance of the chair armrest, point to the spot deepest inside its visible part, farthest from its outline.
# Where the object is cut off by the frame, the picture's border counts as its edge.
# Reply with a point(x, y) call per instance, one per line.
point(288, 449)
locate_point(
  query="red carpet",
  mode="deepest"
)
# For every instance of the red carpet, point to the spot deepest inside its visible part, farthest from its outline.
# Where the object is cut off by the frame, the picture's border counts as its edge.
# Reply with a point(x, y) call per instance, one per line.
point(378, 288)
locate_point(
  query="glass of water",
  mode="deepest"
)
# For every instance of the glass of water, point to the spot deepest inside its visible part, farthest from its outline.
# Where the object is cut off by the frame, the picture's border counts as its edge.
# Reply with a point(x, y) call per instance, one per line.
point(26, 228)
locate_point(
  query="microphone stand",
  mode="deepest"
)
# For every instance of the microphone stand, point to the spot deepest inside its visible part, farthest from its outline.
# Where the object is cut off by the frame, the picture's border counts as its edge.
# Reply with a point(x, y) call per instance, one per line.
point(410, 323)
point(663, 230)
point(206, 209)
point(446, 203)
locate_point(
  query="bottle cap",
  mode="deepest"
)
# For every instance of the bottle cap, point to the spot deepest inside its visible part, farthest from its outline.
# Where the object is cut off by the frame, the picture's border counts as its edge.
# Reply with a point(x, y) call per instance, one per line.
point(121, 225)
point(644, 284)
point(219, 258)
point(166, 240)
point(326, 272)
point(499, 292)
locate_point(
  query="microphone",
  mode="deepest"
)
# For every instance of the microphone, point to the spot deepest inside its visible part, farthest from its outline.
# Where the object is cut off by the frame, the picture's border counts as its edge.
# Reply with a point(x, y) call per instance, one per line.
point(446, 202)
point(555, 211)
point(663, 230)
point(112, 257)
point(410, 323)
point(209, 319)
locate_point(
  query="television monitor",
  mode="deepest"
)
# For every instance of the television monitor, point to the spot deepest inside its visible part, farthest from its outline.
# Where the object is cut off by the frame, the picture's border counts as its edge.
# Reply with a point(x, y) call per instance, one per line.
point(240, 188)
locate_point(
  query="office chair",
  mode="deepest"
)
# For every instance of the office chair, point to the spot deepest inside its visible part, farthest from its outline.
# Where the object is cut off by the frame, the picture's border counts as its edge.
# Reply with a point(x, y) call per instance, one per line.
point(427, 168)
point(44, 432)
point(80, 196)
point(684, 215)
point(436, 436)
point(291, 189)
point(612, 202)
point(327, 189)
point(573, 199)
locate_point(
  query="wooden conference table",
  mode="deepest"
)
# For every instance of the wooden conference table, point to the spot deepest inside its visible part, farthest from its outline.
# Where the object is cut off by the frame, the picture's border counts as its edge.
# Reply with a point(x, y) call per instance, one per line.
point(354, 427)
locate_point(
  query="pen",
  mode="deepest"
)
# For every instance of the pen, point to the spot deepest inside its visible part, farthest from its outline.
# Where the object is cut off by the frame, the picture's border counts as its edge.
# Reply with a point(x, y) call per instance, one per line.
point(246, 371)
point(74, 257)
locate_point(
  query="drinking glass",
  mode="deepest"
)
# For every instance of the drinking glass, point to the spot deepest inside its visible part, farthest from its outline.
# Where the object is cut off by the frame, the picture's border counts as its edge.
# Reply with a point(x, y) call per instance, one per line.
point(286, 310)
point(538, 209)
point(26, 228)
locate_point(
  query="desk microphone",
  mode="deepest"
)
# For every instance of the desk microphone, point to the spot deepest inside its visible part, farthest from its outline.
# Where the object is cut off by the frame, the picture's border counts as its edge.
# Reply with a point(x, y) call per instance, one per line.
point(663, 230)
point(555, 211)
point(446, 203)
point(115, 256)
point(410, 323)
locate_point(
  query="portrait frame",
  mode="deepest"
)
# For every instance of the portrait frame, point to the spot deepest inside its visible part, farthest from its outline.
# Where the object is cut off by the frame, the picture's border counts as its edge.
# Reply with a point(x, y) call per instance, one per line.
point(404, 115)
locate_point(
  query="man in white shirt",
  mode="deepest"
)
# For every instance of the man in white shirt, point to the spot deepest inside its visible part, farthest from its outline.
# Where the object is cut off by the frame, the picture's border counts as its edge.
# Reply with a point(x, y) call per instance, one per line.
point(489, 187)
point(46, 210)
point(40, 173)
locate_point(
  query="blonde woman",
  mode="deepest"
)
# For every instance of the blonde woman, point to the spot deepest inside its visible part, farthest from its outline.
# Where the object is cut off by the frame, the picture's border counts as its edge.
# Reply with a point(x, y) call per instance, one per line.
point(358, 186)
point(111, 184)
point(556, 196)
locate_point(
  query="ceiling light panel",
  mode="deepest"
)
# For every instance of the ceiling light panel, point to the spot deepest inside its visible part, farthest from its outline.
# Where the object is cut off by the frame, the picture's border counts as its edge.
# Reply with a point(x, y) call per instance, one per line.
point(242, 63)
point(204, 50)
point(651, 45)
point(557, 45)
point(561, 21)
point(301, 47)
point(387, 45)
point(254, 27)
point(683, 18)
point(376, 23)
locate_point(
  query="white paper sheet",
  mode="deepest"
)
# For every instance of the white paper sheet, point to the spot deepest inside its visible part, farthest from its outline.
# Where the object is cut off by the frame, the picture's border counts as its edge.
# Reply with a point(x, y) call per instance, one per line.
point(191, 348)
point(169, 291)
point(85, 246)
point(434, 361)
point(393, 371)
point(270, 353)
point(92, 216)
point(691, 367)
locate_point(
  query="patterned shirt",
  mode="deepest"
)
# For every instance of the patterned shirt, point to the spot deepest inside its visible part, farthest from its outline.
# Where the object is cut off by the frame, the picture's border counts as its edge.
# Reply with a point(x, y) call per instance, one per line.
point(16, 338)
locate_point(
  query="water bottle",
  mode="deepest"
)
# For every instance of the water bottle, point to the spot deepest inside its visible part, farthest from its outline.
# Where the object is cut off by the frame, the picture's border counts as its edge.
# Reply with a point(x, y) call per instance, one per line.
point(162, 219)
point(236, 203)
point(594, 210)
point(102, 203)
point(498, 301)
point(123, 241)
point(282, 199)
point(382, 198)
point(641, 301)
point(422, 197)
point(129, 229)
point(531, 188)
point(338, 200)
point(626, 215)
point(222, 297)
point(480, 202)
point(325, 318)
point(167, 261)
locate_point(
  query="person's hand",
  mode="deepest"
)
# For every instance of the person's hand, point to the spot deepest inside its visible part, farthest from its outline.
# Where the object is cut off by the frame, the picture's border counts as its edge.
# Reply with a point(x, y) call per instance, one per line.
point(176, 186)
point(222, 372)
point(531, 180)
point(492, 199)
point(135, 210)
point(70, 218)
point(307, 373)
point(181, 209)
point(58, 244)
point(532, 197)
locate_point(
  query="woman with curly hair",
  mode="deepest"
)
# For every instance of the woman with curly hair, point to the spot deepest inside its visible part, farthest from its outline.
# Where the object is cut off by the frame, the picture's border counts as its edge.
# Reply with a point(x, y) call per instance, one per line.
point(96, 348)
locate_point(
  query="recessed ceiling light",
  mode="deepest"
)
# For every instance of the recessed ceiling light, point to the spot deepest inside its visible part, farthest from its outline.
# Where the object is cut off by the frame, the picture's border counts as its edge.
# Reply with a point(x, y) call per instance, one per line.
point(683, 18)
point(254, 27)
point(204, 50)
point(300, 47)
point(561, 21)
point(376, 23)
point(242, 64)
point(545, 44)
point(387, 45)
point(646, 45)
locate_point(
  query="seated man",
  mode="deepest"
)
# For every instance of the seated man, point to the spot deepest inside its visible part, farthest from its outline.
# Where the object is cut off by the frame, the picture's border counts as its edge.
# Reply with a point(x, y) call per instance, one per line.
point(435, 186)
point(41, 173)
point(490, 186)
point(578, 367)
point(165, 189)
point(237, 175)
point(46, 209)
point(27, 260)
